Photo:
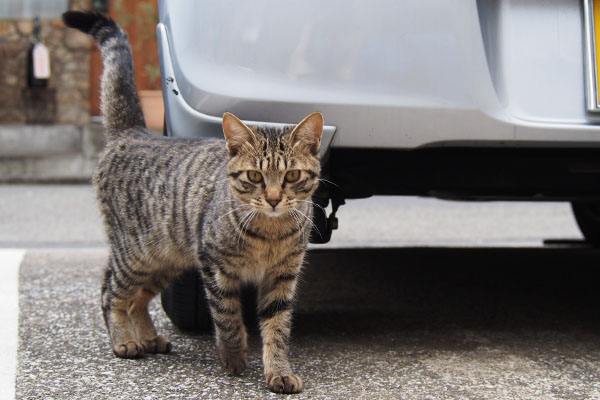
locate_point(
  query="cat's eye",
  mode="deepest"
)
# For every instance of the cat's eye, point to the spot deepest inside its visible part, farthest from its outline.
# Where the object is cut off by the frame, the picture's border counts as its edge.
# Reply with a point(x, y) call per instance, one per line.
point(292, 176)
point(255, 176)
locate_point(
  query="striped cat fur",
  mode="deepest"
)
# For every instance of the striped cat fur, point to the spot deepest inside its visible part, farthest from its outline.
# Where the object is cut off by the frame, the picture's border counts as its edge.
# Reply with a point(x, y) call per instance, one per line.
point(238, 209)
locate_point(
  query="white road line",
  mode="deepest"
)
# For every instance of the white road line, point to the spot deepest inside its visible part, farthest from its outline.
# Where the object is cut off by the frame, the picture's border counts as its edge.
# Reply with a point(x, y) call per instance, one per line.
point(10, 260)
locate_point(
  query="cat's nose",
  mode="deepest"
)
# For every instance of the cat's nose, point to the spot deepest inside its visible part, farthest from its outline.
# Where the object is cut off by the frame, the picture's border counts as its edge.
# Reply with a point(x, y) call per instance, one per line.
point(273, 202)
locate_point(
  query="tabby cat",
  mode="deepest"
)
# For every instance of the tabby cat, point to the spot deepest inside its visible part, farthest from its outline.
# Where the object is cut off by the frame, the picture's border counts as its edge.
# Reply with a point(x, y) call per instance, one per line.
point(237, 209)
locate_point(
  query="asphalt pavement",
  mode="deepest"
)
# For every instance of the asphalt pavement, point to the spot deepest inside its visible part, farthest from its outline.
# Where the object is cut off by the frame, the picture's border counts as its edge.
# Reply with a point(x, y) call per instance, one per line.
point(414, 299)
point(67, 216)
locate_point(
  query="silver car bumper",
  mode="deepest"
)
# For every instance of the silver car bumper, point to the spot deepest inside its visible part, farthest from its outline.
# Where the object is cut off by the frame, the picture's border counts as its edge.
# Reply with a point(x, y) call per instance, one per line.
point(385, 74)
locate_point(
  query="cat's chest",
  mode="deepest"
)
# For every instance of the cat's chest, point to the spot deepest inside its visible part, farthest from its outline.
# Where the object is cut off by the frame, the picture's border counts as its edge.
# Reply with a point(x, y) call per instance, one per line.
point(269, 253)
point(260, 261)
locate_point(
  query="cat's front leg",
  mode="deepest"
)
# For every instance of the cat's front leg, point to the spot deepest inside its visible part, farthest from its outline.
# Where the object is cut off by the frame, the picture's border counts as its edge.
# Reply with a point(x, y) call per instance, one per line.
point(276, 295)
point(224, 300)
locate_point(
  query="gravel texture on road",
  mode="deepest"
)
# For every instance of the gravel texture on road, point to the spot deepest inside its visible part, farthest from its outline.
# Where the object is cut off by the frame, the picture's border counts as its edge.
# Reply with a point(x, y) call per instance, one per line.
point(370, 324)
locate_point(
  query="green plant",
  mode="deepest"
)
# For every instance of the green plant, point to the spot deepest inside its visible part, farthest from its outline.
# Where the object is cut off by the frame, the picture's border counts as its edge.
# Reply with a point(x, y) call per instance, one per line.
point(153, 73)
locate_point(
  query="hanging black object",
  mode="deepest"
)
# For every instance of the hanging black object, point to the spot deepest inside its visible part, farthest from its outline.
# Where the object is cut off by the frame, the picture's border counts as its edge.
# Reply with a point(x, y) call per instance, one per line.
point(38, 60)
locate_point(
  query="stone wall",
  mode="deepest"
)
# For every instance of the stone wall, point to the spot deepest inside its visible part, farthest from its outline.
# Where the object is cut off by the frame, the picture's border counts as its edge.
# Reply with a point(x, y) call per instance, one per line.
point(66, 99)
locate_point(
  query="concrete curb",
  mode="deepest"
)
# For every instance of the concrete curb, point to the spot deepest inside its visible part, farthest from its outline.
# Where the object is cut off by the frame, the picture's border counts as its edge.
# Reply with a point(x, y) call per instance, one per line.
point(49, 153)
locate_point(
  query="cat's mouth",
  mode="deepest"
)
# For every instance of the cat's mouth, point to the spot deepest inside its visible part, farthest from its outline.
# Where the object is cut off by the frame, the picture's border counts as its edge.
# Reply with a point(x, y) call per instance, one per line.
point(274, 213)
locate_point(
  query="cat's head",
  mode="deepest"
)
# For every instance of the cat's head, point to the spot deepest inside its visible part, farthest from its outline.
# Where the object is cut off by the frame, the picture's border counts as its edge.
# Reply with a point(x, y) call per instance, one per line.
point(273, 171)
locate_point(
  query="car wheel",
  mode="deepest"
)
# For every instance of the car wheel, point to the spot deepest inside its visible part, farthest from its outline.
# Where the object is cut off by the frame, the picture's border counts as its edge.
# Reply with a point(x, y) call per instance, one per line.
point(184, 302)
point(587, 216)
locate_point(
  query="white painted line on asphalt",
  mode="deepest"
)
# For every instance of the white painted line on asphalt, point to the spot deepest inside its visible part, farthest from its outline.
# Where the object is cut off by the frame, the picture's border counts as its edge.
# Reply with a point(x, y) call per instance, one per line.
point(10, 260)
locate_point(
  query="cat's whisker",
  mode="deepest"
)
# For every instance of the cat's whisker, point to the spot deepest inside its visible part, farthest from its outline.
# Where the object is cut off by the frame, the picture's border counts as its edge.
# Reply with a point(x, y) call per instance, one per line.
point(243, 219)
point(244, 222)
point(314, 204)
point(249, 221)
point(227, 201)
point(240, 231)
point(328, 181)
point(296, 218)
point(309, 220)
point(232, 211)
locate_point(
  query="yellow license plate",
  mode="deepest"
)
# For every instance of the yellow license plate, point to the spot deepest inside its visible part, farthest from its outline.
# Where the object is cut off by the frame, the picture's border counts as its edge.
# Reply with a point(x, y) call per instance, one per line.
point(596, 8)
point(591, 12)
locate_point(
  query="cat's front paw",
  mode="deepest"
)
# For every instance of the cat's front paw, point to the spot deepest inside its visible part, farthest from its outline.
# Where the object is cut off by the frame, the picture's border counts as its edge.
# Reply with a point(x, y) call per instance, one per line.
point(287, 383)
point(234, 363)
point(130, 349)
point(157, 344)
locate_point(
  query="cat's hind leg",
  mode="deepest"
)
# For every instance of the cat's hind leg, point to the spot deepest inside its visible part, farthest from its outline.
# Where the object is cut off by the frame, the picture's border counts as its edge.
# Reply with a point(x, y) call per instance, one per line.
point(128, 288)
point(142, 323)
point(115, 303)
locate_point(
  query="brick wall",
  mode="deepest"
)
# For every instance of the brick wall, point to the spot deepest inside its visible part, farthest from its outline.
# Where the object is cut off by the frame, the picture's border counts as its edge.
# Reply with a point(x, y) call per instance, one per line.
point(66, 99)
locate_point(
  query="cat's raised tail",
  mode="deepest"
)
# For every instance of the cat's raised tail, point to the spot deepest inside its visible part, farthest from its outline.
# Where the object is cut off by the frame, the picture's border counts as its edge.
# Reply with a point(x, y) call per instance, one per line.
point(119, 101)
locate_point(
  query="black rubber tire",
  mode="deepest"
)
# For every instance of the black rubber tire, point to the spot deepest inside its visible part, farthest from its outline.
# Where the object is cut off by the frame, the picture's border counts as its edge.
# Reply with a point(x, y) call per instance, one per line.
point(165, 132)
point(185, 303)
point(587, 216)
point(319, 233)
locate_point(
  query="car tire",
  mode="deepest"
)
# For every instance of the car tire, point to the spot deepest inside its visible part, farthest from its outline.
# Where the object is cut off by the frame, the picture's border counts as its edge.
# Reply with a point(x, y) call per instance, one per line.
point(587, 216)
point(184, 302)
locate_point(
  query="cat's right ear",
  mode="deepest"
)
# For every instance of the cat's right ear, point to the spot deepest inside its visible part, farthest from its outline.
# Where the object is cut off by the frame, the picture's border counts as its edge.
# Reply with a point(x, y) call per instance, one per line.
point(236, 133)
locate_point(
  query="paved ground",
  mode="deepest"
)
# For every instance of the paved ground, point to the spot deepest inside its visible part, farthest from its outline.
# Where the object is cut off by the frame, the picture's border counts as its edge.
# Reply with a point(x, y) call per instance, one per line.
point(496, 316)
point(371, 324)
point(67, 216)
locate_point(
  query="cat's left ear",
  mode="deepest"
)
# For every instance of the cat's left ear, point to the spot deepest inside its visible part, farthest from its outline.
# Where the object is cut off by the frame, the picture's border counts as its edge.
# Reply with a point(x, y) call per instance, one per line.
point(308, 132)
point(236, 133)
